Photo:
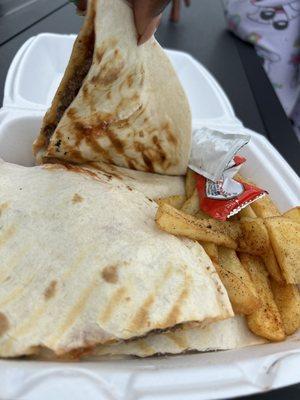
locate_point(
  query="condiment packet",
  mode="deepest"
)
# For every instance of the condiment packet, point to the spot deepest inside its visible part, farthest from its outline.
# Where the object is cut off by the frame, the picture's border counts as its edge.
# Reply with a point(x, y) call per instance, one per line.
point(214, 158)
point(212, 151)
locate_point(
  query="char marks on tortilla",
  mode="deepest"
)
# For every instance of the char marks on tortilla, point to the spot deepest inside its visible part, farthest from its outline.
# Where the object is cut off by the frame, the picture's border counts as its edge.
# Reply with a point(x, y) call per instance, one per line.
point(118, 103)
point(96, 271)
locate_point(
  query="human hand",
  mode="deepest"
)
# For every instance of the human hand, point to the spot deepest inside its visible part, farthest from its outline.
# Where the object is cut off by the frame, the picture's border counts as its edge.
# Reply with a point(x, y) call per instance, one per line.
point(175, 12)
point(81, 5)
point(147, 14)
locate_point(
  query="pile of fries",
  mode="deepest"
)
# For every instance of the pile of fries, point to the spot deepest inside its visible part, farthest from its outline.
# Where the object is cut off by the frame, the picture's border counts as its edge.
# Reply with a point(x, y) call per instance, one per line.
point(256, 254)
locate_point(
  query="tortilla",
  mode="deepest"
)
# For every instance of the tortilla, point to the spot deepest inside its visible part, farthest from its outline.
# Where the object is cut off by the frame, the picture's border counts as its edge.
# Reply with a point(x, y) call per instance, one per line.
point(154, 186)
point(118, 103)
point(229, 334)
point(82, 263)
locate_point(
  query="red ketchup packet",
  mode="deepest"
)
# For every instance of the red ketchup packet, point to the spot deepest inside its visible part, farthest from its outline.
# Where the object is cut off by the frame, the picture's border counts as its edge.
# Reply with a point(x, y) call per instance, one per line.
point(227, 196)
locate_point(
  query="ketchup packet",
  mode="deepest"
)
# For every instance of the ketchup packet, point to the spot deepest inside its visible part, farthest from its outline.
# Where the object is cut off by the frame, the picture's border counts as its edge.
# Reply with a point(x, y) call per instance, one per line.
point(214, 159)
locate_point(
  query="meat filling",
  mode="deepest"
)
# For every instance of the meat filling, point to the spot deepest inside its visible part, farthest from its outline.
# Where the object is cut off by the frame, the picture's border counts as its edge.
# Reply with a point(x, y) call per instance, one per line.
point(73, 86)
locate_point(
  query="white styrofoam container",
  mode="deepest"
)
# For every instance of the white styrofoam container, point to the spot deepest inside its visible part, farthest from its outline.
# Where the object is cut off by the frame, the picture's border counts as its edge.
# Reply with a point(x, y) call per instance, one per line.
point(30, 86)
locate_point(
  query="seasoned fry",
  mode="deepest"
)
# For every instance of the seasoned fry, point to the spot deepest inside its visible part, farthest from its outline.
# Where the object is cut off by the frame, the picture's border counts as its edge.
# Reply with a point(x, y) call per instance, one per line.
point(285, 239)
point(269, 257)
point(235, 287)
point(201, 214)
point(246, 235)
point(210, 248)
point(190, 183)
point(174, 201)
point(287, 298)
point(272, 265)
point(247, 213)
point(237, 281)
point(235, 278)
point(254, 238)
point(265, 208)
point(212, 251)
point(293, 214)
point(266, 320)
point(191, 206)
point(176, 222)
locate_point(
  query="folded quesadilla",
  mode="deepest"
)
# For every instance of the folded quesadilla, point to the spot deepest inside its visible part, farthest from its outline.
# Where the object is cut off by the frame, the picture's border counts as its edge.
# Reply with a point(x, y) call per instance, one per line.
point(117, 102)
point(232, 333)
point(82, 263)
point(154, 186)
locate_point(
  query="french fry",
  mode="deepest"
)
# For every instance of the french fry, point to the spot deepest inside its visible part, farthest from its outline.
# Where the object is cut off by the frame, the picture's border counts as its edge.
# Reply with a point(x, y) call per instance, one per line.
point(190, 183)
point(287, 298)
point(293, 214)
point(201, 215)
point(247, 212)
point(272, 265)
point(177, 223)
point(174, 201)
point(212, 251)
point(269, 257)
point(191, 206)
point(233, 275)
point(237, 282)
point(254, 238)
point(265, 208)
point(285, 239)
point(210, 248)
point(266, 320)
point(243, 298)
point(248, 235)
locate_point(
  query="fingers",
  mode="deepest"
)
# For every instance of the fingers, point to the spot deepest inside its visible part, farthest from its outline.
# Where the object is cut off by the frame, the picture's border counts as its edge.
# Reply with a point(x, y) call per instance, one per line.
point(150, 30)
point(81, 5)
point(147, 15)
point(175, 12)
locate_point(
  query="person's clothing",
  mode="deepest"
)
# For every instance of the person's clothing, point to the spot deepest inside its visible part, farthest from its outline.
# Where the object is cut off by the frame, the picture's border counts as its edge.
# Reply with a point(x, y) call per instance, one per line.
point(273, 27)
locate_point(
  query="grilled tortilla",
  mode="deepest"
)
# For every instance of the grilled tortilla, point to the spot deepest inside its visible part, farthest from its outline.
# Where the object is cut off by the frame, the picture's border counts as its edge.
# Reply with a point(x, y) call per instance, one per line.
point(232, 333)
point(118, 103)
point(151, 185)
point(82, 263)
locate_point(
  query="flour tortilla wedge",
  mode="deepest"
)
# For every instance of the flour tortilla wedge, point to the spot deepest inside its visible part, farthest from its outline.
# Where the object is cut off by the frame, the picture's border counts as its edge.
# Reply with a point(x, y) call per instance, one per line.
point(229, 334)
point(82, 263)
point(154, 186)
point(118, 103)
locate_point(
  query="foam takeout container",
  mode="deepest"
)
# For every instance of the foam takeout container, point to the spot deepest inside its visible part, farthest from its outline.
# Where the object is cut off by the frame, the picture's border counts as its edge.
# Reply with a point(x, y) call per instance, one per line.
point(31, 83)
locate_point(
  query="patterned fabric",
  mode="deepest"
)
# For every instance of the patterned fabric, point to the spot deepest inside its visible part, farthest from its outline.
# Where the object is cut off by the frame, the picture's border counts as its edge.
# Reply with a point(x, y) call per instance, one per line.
point(273, 27)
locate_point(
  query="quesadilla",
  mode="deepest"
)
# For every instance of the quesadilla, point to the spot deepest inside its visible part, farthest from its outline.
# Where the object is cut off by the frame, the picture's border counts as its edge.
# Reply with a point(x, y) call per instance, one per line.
point(232, 333)
point(117, 102)
point(82, 263)
point(154, 186)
